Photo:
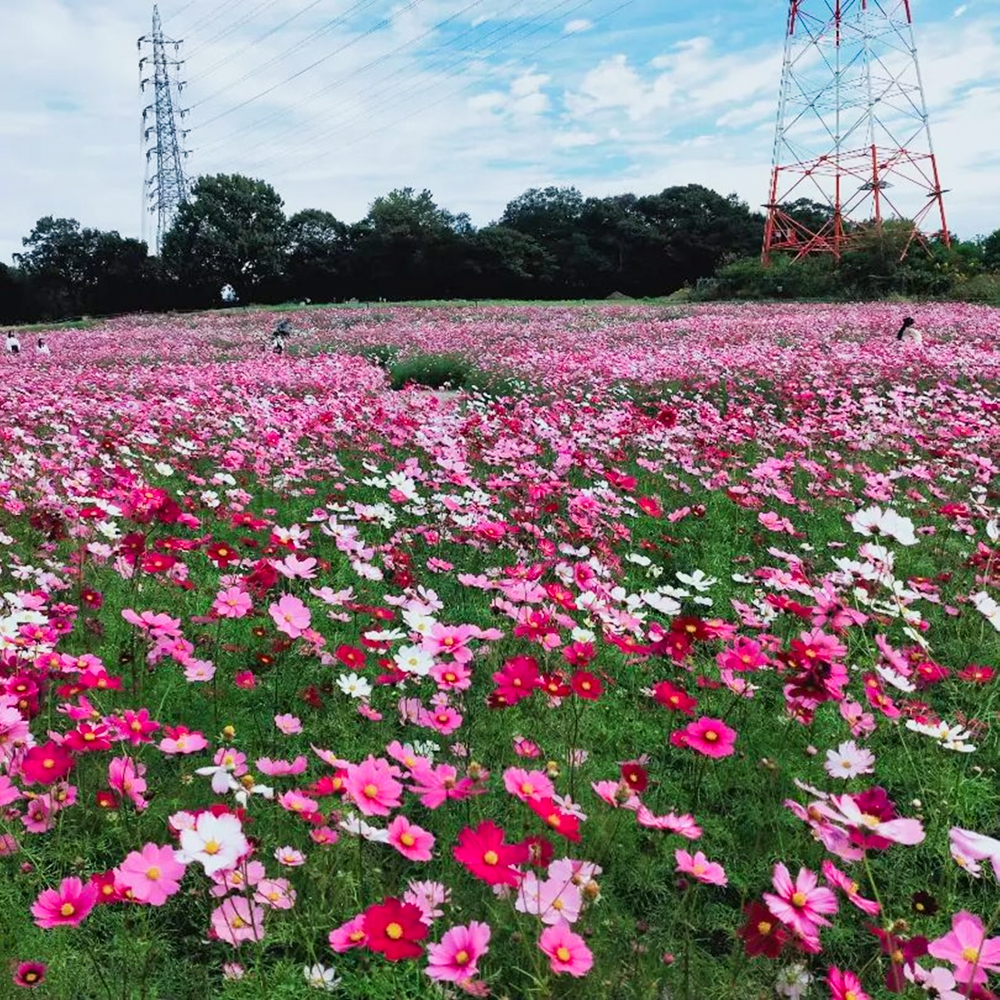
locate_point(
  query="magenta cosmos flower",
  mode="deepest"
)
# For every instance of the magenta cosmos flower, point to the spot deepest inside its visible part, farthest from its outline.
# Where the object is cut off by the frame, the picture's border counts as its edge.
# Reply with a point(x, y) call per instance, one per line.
point(66, 906)
point(412, 841)
point(968, 949)
point(455, 957)
point(712, 737)
point(153, 874)
point(800, 904)
point(566, 951)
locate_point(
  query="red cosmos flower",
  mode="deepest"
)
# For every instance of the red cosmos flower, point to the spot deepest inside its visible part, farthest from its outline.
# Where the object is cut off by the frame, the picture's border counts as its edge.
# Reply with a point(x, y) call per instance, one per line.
point(92, 598)
point(762, 933)
point(516, 679)
point(901, 952)
point(485, 854)
point(674, 698)
point(578, 654)
point(651, 506)
point(558, 821)
point(157, 562)
point(29, 975)
point(540, 851)
point(99, 680)
point(394, 928)
point(635, 776)
point(261, 578)
point(976, 674)
point(222, 554)
point(351, 656)
point(46, 764)
point(693, 628)
point(106, 800)
point(586, 685)
point(555, 685)
point(106, 891)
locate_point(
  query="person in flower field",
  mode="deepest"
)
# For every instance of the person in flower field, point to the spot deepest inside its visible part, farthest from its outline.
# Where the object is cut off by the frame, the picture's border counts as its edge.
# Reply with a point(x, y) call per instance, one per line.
point(13, 344)
point(909, 333)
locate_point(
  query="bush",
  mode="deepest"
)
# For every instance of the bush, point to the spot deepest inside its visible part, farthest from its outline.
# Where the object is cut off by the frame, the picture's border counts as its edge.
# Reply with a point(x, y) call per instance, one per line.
point(435, 371)
point(979, 288)
point(783, 278)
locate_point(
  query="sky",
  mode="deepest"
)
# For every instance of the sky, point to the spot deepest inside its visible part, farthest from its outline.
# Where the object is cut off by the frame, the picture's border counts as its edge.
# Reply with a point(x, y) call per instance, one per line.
point(335, 102)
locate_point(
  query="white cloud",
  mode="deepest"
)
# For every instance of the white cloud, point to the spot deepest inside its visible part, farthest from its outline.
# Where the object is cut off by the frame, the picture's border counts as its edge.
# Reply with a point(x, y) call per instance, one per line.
point(574, 27)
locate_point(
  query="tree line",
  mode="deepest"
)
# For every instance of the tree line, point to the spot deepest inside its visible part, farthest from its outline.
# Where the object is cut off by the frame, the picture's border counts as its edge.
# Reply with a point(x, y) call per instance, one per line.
point(550, 243)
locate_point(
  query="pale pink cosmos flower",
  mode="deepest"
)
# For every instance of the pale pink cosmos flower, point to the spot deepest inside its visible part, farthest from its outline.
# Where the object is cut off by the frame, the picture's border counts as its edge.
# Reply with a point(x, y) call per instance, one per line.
point(248, 874)
point(290, 616)
point(289, 857)
point(843, 809)
point(938, 981)
point(276, 893)
point(153, 874)
point(125, 777)
point(296, 802)
point(183, 743)
point(372, 786)
point(66, 906)
point(428, 897)
point(281, 768)
point(454, 958)
point(800, 904)
point(849, 760)
point(566, 951)
point(969, 845)
point(232, 603)
point(451, 639)
point(967, 949)
point(709, 872)
point(685, 825)
point(554, 900)
point(849, 888)
point(288, 724)
point(412, 841)
point(238, 920)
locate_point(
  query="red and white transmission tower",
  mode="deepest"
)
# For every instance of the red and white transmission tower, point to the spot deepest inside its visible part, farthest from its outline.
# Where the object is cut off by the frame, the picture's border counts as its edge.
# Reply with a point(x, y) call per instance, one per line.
point(853, 131)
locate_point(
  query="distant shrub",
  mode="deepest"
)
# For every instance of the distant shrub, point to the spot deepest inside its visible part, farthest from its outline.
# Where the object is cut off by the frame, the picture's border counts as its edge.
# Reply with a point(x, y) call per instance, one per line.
point(980, 288)
point(435, 371)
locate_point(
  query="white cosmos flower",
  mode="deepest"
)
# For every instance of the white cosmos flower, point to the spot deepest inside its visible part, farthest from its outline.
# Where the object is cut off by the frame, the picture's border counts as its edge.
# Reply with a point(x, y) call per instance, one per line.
point(357, 827)
point(355, 686)
point(874, 520)
point(993, 530)
point(413, 660)
point(385, 635)
point(638, 560)
point(322, 978)
point(660, 602)
point(697, 580)
point(215, 842)
point(987, 607)
point(897, 680)
point(419, 622)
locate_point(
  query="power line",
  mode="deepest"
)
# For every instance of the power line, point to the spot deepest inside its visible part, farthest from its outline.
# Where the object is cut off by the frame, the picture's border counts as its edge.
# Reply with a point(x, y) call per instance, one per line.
point(367, 135)
point(356, 8)
point(187, 6)
point(206, 19)
point(235, 25)
point(332, 86)
point(256, 41)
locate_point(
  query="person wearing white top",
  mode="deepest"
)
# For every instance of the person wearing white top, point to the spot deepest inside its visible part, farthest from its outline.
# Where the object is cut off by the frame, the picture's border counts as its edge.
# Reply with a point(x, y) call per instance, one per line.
point(909, 334)
point(42, 347)
point(13, 344)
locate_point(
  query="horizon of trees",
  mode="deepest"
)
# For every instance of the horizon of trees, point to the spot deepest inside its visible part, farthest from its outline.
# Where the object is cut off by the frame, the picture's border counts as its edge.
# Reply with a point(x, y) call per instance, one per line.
point(550, 243)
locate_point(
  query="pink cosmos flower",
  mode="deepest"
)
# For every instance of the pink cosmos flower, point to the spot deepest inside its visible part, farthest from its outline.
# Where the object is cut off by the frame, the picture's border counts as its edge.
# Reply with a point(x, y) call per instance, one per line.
point(349, 935)
point(454, 958)
point(849, 888)
point(428, 897)
point(289, 857)
point(290, 616)
point(449, 639)
point(66, 906)
point(288, 724)
point(844, 985)
point(967, 845)
point(566, 951)
point(296, 802)
point(182, 741)
point(232, 603)
point(436, 785)
point(276, 893)
point(238, 920)
point(967, 949)
point(685, 825)
point(152, 874)
point(800, 904)
point(525, 785)
point(281, 768)
point(443, 718)
point(412, 841)
point(709, 872)
point(125, 778)
point(711, 737)
point(372, 786)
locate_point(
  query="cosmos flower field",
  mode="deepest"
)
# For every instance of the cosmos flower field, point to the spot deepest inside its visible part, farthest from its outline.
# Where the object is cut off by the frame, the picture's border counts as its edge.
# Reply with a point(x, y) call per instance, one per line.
point(663, 666)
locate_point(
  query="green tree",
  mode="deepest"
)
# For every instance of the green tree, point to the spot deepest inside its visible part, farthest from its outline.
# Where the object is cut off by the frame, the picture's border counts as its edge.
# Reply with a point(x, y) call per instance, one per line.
point(319, 256)
point(231, 231)
point(990, 249)
point(505, 263)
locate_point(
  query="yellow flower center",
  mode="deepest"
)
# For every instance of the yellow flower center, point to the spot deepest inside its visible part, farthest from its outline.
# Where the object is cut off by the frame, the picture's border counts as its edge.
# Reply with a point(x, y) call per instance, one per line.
point(491, 858)
point(237, 923)
point(970, 954)
point(407, 839)
point(558, 904)
point(799, 899)
point(562, 953)
point(213, 847)
point(461, 958)
point(711, 736)
point(153, 873)
point(763, 927)
point(370, 791)
point(356, 936)
point(48, 763)
point(67, 909)
point(88, 737)
point(527, 788)
point(394, 932)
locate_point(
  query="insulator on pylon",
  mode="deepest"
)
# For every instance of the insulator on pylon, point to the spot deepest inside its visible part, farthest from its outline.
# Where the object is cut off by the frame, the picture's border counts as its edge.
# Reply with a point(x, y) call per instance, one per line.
point(853, 134)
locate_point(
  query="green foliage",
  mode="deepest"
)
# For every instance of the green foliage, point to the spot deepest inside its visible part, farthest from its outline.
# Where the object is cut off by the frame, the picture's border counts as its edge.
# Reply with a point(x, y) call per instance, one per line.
point(434, 371)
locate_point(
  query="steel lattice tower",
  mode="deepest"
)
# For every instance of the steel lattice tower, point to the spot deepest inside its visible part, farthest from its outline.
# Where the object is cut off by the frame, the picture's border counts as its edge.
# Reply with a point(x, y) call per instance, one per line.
point(167, 188)
point(853, 132)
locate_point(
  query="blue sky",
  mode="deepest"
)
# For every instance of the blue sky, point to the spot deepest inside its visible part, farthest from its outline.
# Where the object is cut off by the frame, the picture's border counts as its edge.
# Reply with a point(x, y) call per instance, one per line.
point(501, 97)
